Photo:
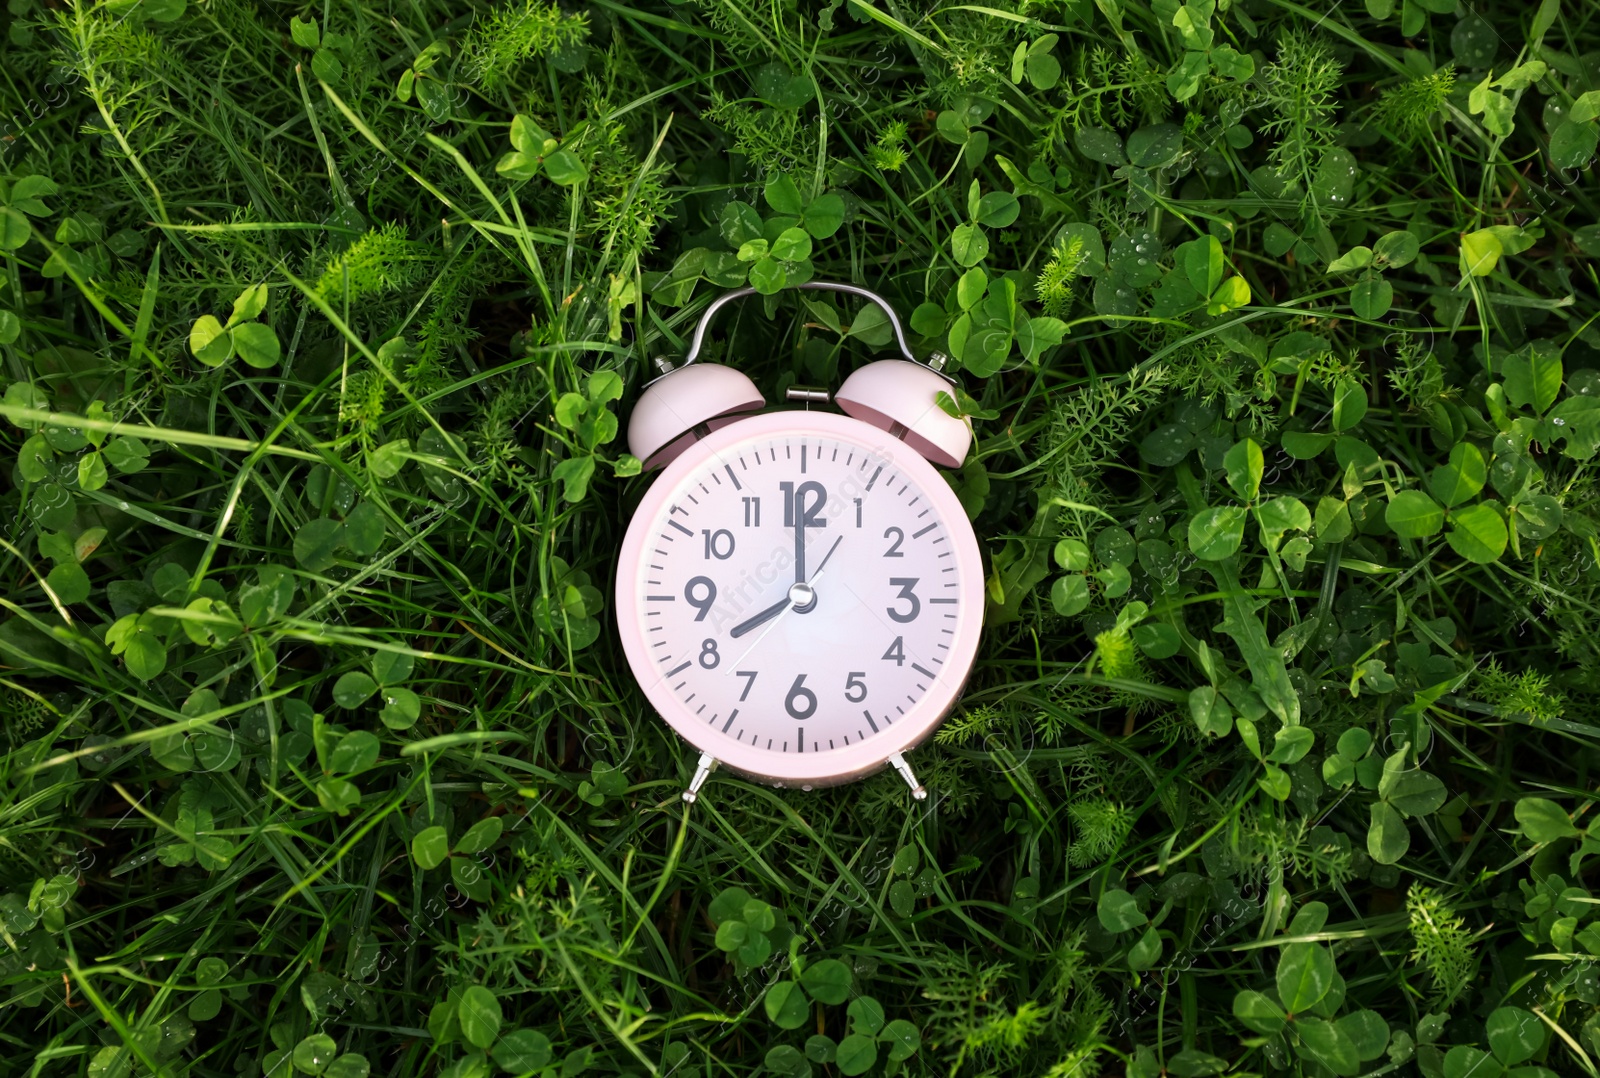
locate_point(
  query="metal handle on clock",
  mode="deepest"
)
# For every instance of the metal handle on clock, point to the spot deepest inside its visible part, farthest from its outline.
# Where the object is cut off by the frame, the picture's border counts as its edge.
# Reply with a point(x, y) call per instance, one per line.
point(935, 363)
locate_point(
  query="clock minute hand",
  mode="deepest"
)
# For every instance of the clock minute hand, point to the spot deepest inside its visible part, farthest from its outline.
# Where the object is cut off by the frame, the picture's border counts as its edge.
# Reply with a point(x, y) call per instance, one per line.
point(799, 538)
point(766, 615)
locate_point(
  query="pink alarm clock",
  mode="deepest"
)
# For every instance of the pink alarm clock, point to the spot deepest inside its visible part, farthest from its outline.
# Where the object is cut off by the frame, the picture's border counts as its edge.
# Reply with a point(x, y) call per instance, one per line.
point(800, 593)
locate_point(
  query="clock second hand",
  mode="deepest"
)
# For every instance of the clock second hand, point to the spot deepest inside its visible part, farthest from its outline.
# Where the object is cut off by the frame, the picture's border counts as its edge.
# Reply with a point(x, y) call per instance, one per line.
point(774, 610)
point(825, 558)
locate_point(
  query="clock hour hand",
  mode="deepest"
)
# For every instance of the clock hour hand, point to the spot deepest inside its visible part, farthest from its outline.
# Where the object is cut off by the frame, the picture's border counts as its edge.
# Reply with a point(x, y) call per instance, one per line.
point(766, 615)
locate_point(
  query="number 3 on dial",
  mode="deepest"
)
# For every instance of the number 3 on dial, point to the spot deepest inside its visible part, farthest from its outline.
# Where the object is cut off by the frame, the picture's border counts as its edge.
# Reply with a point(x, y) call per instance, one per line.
point(905, 584)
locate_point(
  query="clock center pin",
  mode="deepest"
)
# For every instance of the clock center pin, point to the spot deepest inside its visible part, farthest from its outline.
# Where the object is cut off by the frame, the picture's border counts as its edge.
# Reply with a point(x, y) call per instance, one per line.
point(802, 597)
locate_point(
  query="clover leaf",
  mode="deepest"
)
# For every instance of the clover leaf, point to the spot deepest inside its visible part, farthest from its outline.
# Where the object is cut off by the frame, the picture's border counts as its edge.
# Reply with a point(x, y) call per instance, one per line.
point(536, 151)
point(20, 201)
point(1497, 108)
point(214, 343)
point(1202, 55)
point(1037, 62)
point(433, 93)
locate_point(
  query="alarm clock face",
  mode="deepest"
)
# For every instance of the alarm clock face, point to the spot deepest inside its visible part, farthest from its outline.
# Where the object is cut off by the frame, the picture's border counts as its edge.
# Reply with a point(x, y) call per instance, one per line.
point(800, 595)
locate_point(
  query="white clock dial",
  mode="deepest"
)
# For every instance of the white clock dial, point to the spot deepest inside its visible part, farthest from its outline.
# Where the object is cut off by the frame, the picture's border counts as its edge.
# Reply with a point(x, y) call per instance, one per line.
point(800, 593)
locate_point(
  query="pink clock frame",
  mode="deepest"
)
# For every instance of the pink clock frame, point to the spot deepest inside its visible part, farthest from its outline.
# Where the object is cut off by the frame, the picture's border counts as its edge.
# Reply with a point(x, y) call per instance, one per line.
point(834, 766)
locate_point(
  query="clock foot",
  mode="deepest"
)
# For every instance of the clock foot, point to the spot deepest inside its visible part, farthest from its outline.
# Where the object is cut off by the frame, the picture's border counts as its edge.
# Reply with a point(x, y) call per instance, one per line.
point(919, 792)
point(702, 771)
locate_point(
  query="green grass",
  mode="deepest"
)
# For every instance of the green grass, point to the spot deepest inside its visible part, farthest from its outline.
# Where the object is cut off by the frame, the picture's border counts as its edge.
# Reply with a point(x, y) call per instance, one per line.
point(1276, 331)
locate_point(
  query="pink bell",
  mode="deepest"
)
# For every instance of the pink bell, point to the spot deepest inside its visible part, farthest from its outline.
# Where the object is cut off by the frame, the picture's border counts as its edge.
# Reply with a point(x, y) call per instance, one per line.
point(896, 395)
point(678, 409)
point(902, 398)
